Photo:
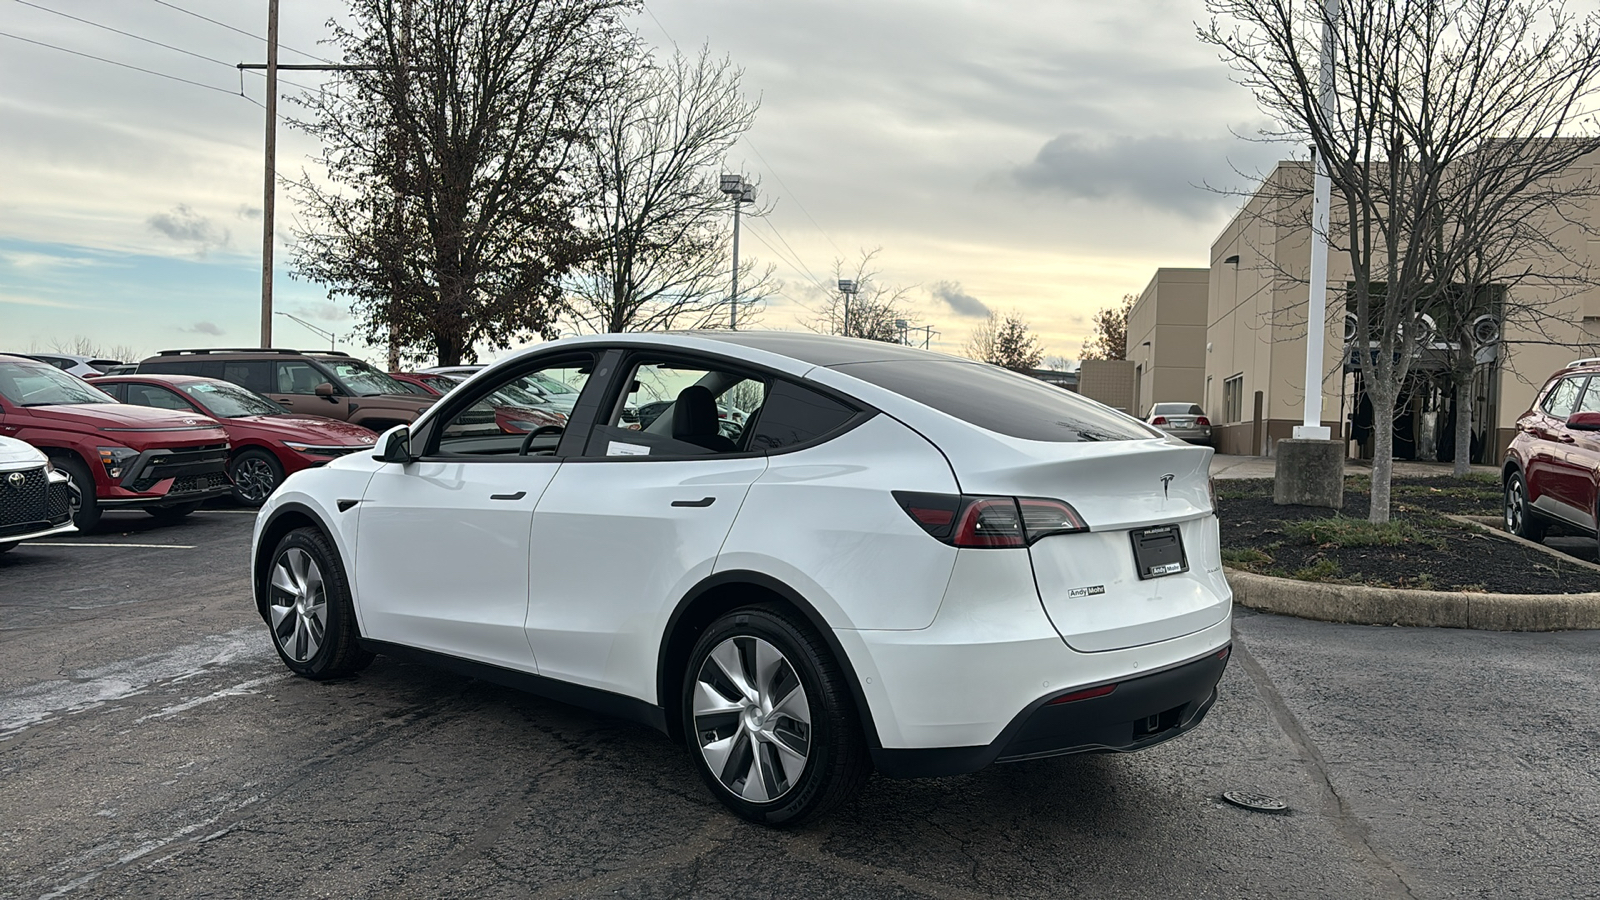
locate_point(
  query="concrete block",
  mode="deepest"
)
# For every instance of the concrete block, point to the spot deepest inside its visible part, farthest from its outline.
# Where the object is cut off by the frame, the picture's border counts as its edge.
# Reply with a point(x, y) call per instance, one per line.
point(1309, 473)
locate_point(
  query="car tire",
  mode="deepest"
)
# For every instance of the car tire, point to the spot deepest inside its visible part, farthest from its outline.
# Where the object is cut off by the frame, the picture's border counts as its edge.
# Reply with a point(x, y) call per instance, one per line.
point(86, 510)
point(255, 475)
point(309, 611)
point(753, 677)
point(1520, 519)
point(169, 514)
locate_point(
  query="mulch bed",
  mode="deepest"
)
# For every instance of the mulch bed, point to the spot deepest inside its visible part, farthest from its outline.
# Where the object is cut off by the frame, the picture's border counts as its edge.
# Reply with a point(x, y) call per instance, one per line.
point(1257, 536)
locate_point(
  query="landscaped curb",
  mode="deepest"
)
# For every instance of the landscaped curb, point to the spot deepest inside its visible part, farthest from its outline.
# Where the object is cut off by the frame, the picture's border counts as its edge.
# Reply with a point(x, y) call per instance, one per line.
point(1362, 605)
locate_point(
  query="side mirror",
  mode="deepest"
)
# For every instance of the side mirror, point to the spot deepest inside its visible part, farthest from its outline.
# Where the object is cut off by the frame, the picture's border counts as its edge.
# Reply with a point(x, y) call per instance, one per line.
point(396, 444)
point(325, 390)
point(1584, 421)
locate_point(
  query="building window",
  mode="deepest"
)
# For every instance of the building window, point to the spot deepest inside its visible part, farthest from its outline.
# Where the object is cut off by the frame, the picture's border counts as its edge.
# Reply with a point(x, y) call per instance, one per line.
point(1233, 399)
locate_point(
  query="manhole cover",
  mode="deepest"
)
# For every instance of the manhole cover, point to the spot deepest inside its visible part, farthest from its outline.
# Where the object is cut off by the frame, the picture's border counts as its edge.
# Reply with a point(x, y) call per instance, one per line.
point(1257, 802)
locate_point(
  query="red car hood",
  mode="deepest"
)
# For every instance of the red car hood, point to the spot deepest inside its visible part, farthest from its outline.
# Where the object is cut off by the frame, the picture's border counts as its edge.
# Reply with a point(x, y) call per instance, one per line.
point(309, 430)
point(124, 417)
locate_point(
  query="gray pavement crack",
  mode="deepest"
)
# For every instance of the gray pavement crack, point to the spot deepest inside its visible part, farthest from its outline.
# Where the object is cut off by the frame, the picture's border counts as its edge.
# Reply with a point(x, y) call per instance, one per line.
point(1350, 825)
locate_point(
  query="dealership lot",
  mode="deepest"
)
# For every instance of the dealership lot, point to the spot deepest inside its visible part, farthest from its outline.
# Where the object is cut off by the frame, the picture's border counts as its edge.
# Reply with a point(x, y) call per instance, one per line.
point(152, 744)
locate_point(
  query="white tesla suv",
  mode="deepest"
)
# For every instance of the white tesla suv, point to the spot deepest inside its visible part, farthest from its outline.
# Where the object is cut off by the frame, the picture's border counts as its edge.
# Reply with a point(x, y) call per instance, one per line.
point(900, 560)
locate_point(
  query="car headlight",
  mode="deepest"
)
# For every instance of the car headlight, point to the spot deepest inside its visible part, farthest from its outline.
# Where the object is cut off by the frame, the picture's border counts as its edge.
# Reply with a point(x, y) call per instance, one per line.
point(116, 459)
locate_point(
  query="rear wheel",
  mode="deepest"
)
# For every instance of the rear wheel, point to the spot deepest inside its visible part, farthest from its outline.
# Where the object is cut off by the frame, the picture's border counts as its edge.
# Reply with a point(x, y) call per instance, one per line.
point(309, 609)
point(255, 474)
point(83, 500)
point(171, 514)
point(769, 719)
point(1520, 518)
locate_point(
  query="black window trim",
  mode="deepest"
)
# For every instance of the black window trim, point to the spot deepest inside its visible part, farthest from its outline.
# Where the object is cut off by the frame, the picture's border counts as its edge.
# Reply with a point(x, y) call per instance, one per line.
point(629, 358)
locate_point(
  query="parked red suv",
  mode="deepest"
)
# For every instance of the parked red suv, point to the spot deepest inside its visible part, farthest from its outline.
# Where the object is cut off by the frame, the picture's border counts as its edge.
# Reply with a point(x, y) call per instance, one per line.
point(269, 442)
point(1552, 469)
point(118, 456)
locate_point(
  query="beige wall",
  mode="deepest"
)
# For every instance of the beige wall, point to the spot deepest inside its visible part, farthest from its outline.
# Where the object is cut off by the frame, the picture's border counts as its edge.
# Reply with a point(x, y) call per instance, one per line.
point(1110, 381)
point(1167, 338)
point(1255, 320)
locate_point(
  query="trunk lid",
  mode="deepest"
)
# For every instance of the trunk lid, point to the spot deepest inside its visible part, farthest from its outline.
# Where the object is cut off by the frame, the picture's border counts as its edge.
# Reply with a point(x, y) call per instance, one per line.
point(1089, 582)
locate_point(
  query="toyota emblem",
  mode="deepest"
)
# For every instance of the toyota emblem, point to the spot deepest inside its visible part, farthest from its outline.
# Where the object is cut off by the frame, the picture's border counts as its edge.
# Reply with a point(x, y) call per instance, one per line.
point(17, 479)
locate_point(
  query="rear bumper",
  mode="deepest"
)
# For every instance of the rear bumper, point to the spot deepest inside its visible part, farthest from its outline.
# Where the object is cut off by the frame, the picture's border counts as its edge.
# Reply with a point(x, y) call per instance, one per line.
point(1138, 713)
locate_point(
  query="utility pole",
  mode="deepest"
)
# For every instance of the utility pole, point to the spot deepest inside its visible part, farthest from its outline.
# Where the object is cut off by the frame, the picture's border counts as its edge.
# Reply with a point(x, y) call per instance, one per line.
point(1311, 427)
point(269, 191)
point(742, 192)
point(403, 76)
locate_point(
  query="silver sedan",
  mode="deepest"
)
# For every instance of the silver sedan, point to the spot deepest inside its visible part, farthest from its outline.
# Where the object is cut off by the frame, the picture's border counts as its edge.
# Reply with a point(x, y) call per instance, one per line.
point(1186, 421)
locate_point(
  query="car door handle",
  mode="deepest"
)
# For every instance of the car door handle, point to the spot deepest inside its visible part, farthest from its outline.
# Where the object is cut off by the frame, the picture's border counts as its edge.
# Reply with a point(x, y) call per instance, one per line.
point(1565, 438)
point(517, 496)
point(702, 502)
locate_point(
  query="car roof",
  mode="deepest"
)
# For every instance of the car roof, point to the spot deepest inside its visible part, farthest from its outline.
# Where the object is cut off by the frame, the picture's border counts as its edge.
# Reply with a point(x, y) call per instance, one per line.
point(267, 352)
point(155, 378)
point(821, 349)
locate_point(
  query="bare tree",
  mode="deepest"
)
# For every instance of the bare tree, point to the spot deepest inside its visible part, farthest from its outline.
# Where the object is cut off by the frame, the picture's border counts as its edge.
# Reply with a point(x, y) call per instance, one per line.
point(1005, 341)
point(878, 312)
point(81, 345)
point(446, 212)
point(1110, 337)
point(655, 220)
point(1419, 86)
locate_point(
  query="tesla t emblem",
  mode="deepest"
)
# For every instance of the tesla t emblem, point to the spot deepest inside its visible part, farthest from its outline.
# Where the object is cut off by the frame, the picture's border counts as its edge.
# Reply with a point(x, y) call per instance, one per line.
point(16, 479)
point(1166, 484)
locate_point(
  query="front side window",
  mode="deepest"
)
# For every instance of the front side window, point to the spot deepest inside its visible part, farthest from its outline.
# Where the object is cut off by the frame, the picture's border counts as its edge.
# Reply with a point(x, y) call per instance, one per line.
point(1591, 398)
point(295, 377)
point(506, 420)
point(999, 400)
point(157, 398)
point(29, 383)
point(1562, 397)
point(677, 409)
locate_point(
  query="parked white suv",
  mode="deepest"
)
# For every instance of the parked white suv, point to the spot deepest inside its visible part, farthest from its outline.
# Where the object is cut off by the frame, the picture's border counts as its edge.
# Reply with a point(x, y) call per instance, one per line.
point(906, 560)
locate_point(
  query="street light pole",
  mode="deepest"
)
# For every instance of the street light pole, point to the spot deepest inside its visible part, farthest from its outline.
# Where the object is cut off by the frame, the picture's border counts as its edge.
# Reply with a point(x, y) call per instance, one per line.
point(269, 191)
point(1311, 427)
point(742, 192)
point(322, 332)
point(848, 288)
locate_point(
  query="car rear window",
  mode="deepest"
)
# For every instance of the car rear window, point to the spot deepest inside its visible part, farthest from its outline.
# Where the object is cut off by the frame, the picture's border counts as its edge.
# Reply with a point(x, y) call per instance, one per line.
point(1000, 401)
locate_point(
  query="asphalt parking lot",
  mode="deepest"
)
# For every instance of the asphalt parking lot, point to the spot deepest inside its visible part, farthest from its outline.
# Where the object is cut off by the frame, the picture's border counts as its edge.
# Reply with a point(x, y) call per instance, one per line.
point(152, 745)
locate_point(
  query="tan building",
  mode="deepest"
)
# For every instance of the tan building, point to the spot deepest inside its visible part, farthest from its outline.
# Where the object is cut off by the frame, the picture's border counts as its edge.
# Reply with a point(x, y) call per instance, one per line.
point(1256, 343)
point(1167, 339)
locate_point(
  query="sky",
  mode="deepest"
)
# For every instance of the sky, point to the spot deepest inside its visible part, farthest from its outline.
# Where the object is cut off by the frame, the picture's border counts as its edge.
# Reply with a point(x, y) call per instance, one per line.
point(1042, 157)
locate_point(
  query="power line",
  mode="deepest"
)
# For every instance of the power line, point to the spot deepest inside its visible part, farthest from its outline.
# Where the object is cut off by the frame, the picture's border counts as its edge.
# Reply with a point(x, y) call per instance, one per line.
point(792, 252)
point(209, 87)
point(129, 34)
point(791, 263)
point(240, 31)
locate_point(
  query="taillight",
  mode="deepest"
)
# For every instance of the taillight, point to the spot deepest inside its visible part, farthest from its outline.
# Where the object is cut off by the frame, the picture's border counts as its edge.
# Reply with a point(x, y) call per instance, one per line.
point(1159, 420)
point(1202, 420)
point(989, 522)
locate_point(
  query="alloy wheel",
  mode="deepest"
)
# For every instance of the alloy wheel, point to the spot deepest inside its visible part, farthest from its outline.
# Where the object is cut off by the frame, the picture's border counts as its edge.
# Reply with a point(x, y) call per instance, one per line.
point(1515, 506)
point(752, 719)
point(254, 479)
point(299, 604)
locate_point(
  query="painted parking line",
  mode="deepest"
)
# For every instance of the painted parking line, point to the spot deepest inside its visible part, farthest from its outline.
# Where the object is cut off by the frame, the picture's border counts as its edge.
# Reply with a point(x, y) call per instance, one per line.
point(92, 544)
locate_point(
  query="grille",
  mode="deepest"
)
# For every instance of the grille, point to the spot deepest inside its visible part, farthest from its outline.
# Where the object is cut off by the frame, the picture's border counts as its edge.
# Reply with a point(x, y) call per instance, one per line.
point(24, 502)
point(179, 464)
point(58, 503)
point(195, 484)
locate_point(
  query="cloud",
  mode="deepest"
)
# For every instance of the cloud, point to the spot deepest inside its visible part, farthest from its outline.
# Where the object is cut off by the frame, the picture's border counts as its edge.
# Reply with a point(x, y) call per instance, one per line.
point(1166, 172)
point(204, 328)
point(186, 226)
point(248, 212)
point(960, 302)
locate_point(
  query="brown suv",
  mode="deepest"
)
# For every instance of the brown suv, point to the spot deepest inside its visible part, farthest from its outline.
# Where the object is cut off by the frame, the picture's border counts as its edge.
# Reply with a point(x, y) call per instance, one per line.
point(320, 383)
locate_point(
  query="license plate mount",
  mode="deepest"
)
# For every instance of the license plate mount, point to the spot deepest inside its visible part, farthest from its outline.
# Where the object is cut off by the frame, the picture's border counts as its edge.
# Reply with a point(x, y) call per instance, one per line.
point(1158, 551)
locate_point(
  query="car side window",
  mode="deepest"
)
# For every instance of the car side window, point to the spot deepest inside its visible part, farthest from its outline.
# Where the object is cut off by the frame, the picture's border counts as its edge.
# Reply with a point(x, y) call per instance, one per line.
point(118, 392)
point(1589, 402)
point(253, 374)
point(1562, 398)
point(795, 415)
point(507, 419)
point(156, 397)
point(171, 367)
point(677, 408)
point(296, 377)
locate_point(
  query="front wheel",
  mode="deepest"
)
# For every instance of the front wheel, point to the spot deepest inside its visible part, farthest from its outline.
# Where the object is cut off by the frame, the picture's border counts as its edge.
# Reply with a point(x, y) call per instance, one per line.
point(313, 621)
point(1520, 518)
point(255, 474)
point(769, 718)
point(83, 498)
